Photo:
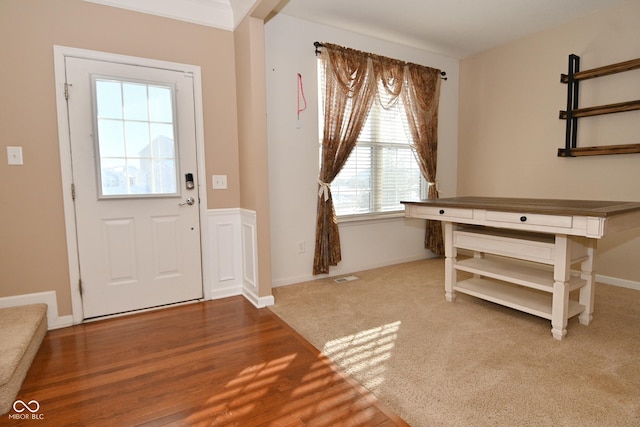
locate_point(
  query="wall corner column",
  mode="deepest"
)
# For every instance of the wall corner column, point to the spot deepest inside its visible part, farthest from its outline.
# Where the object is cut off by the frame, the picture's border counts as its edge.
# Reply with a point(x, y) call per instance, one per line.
point(252, 133)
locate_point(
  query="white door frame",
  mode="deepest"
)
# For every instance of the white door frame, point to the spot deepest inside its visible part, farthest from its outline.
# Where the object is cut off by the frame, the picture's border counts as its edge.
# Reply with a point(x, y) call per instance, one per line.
point(59, 55)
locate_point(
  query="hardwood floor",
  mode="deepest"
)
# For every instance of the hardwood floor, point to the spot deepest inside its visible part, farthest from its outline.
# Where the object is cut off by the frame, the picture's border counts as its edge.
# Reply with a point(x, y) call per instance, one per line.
point(218, 363)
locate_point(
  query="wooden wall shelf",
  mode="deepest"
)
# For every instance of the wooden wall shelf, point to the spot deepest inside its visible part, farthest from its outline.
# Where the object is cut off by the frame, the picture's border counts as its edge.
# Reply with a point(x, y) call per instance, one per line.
point(603, 71)
point(573, 113)
point(600, 150)
point(603, 109)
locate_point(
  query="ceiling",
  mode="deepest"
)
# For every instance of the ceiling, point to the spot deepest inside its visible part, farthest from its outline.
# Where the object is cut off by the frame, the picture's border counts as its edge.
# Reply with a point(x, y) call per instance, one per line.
point(455, 28)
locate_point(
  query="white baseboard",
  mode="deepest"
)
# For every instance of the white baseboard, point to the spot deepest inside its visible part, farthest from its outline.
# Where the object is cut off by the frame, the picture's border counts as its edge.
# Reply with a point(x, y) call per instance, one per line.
point(54, 321)
point(258, 302)
point(226, 292)
point(614, 281)
point(337, 271)
point(63, 322)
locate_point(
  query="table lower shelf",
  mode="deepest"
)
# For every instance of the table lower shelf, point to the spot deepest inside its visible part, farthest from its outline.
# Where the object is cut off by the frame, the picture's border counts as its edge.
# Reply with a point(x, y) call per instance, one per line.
point(530, 275)
point(517, 297)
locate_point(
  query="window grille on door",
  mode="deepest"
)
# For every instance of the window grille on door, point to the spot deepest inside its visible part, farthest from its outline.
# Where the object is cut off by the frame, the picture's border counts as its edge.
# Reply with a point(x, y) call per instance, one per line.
point(135, 138)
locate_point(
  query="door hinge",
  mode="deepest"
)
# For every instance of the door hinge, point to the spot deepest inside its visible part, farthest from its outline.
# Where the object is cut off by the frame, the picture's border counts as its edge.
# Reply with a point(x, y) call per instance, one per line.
point(80, 287)
point(73, 191)
point(66, 91)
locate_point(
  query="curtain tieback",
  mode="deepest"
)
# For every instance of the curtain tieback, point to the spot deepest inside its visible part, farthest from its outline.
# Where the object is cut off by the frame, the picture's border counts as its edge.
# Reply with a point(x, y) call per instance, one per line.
point(436, 184)
point(323, 191)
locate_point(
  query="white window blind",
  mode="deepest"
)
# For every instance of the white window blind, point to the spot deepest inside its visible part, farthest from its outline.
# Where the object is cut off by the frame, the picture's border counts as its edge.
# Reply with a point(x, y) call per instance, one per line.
point(382, 169)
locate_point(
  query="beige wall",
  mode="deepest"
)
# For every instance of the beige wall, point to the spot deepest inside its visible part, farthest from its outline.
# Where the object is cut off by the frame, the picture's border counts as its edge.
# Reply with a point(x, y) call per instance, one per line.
point(33, 253)
point(252, 138)
point(509, 129)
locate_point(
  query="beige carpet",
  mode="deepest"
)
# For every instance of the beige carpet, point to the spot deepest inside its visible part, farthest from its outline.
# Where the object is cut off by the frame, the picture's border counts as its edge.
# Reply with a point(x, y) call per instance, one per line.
point(471, 363)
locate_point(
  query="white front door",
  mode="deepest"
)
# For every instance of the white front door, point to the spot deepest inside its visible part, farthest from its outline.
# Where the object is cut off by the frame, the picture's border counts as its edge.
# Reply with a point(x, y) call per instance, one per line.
point(134, 166)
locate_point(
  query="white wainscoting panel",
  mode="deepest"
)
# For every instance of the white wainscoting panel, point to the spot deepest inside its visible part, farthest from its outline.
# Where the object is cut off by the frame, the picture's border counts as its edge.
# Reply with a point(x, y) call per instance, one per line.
point(226, 253)
point(234, 256)
point(250, 282)
point(225, 245)
point(249, 249)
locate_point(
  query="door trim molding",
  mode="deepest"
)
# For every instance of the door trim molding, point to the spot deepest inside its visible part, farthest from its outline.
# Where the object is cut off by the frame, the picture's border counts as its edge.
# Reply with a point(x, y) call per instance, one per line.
point(59, 55)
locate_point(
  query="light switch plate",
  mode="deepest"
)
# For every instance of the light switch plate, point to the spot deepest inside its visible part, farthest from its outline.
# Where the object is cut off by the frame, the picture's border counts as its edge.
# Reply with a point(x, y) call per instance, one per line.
point(219, 182)
point(14, 155)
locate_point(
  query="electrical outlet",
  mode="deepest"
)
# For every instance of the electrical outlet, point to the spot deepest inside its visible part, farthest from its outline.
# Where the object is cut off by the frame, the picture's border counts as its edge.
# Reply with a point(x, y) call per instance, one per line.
point(302, 247)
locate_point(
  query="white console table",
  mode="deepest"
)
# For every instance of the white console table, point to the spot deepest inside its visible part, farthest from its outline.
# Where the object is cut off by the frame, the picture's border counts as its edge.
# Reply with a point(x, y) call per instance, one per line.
point(524, 250)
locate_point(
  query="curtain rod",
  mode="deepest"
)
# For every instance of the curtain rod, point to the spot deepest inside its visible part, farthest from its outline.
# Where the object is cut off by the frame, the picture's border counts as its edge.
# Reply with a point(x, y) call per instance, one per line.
point(318, 45)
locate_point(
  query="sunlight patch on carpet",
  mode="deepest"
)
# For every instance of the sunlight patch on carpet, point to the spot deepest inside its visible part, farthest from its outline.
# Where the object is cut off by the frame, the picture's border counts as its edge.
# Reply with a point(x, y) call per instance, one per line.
point(365, 353)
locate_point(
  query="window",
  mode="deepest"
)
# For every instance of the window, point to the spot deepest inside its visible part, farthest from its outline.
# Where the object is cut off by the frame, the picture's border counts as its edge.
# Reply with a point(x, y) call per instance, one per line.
point(137, 154)
point(382, 169)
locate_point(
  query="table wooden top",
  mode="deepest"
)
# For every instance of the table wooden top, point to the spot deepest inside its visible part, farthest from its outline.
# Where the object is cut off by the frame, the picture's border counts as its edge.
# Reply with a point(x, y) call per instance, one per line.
point(594, 208)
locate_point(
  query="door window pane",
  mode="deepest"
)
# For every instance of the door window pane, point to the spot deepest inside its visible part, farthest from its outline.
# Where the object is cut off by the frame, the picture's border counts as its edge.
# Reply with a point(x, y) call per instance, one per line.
point(136, 138)
point(108, 99)
point(111, 138)
point(135, 101)
point(159, 101)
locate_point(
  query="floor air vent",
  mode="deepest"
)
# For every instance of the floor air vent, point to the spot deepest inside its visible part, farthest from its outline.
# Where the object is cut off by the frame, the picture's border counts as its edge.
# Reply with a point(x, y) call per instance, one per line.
point(346, 279)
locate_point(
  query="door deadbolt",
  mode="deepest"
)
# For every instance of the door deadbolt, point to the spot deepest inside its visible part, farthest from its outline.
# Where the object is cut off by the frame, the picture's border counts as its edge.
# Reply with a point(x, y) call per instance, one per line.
point(188, 181)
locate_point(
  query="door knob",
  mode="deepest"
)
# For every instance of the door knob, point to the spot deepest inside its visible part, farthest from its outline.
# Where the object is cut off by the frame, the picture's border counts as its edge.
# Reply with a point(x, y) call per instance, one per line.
point(190, 201)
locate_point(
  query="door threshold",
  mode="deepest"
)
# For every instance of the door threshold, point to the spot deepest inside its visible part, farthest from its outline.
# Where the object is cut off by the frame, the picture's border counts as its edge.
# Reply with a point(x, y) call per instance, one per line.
point(140, 310)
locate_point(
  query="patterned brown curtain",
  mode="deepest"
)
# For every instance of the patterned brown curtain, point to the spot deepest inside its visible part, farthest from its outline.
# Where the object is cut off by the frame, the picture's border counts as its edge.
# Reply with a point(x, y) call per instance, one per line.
point(352, 80)
point(421, 95)
point(349, 92)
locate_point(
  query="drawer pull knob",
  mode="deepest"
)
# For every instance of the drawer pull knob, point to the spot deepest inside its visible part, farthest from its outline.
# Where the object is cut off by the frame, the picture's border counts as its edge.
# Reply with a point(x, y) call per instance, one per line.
point(441, 211)
point(523, 218)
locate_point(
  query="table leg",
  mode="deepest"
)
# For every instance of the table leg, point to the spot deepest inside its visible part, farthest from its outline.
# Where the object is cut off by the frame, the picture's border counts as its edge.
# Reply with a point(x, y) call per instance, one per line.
point(587, 292)
point(450, 257)
point(478, 255)
point(561, 275)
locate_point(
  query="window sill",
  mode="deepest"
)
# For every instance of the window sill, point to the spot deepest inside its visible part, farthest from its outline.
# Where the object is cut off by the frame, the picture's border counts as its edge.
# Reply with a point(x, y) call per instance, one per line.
point(366, 219)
